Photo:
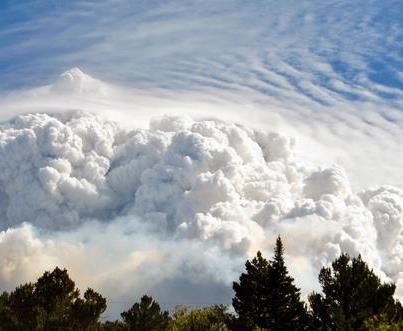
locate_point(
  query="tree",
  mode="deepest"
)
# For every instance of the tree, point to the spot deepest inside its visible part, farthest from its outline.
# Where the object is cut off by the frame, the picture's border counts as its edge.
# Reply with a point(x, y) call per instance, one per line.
point(22, 308)
point(352, 294)
point(52, 303)
point(146, 316)
point(266, 295)
point(381, 323)
point(86, 312)
point(54, 293)
point(6, 321)
point(211, 318)
point(114, 326)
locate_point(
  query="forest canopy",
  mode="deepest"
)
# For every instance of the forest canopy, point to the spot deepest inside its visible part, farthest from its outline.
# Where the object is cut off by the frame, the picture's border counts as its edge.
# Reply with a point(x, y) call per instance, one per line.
point(352, 297)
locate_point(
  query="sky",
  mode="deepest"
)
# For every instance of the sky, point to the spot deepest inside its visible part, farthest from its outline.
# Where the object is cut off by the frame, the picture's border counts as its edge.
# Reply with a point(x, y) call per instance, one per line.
point(332, 62)
point(223, 122)
point(174, 43)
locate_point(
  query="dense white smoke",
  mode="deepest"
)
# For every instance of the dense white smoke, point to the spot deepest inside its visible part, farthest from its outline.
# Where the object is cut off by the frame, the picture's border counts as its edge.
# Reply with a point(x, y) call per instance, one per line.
point(172, 206)
point(176, 208)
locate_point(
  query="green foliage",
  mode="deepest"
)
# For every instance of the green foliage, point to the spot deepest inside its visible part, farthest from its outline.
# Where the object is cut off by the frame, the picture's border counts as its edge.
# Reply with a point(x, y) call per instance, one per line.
point(52, 303)
point(85, 312)
point(146, 316)
point(267, 297)
point(352, 294)
point(212, 318)
point(6, 320)
point(114, 326)
point(248, 301)
point(381, 323)
point(352, 298)
point(22, 308)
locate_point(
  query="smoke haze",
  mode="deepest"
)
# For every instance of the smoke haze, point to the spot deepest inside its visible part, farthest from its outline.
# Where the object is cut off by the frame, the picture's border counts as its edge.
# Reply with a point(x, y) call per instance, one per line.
point(172, 205)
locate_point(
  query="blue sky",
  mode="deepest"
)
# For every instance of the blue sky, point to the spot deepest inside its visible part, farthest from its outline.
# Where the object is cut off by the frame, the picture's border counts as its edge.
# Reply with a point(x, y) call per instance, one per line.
point(188, 44)
point(333, 70)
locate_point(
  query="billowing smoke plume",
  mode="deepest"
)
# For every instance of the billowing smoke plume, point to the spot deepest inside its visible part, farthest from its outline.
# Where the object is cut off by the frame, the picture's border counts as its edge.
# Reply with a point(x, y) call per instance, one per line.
point(177, 207)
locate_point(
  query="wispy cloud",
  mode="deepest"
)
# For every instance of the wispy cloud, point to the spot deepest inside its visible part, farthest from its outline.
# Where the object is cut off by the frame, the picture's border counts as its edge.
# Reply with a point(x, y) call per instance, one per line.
point(147, 41)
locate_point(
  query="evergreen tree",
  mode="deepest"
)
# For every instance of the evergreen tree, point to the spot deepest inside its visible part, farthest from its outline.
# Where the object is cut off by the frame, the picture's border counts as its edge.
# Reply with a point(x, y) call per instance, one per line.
point(352, 294)
point(86, 312)
point(146, 316)
point(20, 309)
point(6, 321)
point(248, 301)
point(52, 303)
point(54, 293)
point(267, 297)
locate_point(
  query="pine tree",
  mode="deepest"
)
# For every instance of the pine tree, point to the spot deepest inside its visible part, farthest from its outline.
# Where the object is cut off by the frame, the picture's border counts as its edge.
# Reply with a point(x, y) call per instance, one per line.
point(248, 301)
point(52, 303)
point(267, 297)
point(352, 294)
point(146, 316)
point(283, 297)
point(86, 312)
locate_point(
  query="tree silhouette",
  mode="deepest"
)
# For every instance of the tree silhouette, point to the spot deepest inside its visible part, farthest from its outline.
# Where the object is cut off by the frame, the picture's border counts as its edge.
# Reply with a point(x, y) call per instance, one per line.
point(352, 294)
point(22, 310)
point(146, 316)
point(86, 312)
point(266, 295)
point(52, 303)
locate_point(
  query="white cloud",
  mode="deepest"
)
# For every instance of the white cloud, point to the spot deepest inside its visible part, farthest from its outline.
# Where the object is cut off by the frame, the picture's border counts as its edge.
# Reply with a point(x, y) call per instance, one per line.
point(194, 195)
point(373, 128)
point(115, 205)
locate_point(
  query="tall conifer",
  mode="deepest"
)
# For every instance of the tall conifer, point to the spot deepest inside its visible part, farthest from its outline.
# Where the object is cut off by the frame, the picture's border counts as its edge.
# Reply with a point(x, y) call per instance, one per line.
point(266, 295)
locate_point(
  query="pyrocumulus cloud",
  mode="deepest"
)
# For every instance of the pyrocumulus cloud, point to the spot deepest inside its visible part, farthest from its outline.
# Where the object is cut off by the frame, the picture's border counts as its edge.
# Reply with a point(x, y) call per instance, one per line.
point(176, 208)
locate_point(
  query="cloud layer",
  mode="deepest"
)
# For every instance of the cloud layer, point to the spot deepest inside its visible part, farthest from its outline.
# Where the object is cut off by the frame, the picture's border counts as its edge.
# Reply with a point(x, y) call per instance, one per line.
point(193, 198)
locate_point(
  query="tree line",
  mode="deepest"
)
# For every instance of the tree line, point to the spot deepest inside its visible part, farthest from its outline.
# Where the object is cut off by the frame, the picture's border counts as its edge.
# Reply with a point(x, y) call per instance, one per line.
point(265, 298)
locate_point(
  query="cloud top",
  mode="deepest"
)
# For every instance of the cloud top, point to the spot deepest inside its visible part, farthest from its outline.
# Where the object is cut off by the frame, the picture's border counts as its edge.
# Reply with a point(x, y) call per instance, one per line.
point(216, 184)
